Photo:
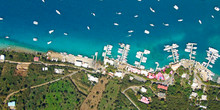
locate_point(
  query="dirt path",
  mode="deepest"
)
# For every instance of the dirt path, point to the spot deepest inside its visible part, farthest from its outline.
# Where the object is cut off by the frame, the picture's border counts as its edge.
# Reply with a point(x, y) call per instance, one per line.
point(92, 100)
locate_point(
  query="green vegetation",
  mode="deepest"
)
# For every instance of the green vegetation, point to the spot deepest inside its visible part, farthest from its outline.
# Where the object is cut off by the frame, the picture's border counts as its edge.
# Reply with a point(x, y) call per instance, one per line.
point(68, 94)
point(125, 82)
point(109, 96)
point(182, 70)
point(59, 95)
point(212, 93)
point(167, 70)
point(18, 56)
point(111, 68)
point(10, 81)
point(122, 103)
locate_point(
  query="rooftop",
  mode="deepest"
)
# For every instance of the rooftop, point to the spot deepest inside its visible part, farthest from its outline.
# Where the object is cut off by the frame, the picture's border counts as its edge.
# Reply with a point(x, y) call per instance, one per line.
point(162, 87)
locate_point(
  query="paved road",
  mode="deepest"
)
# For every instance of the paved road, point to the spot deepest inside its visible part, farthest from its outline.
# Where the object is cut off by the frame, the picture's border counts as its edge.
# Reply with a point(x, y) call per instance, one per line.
point(11, 94)
point(139, 78)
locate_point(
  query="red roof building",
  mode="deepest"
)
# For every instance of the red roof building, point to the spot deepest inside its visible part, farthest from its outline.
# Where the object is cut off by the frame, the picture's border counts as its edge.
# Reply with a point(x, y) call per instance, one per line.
point(36, 58)
point(162, 87)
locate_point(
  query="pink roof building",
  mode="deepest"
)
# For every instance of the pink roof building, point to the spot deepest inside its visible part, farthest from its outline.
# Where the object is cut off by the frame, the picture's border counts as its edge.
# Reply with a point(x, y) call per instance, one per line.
point(164, 69)
point(36, 58)
point(144, 100)
point(160, 76)
point(162, 87)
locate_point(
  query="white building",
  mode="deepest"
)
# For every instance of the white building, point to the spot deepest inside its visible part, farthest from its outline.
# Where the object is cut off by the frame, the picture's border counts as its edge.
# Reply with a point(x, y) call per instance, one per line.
point(204, 97)
point(78, 63)
point(193, 94)
point(143, 89)
point(59, 71)
point(92, 78)
point(85, 65)
point(2, 58)
point(144, 72)
point(119, 74)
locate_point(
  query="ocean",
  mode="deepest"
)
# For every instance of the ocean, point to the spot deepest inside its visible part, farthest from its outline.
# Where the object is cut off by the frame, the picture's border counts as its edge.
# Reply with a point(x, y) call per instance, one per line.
point(76, 15)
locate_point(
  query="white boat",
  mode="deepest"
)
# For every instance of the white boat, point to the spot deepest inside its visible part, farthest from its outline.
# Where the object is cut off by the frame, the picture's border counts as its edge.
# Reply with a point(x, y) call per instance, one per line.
point(151, 9)
point(35, 22)
point(180, 20)
point(58, 12)
point(144, 59)
point(127, 47)
point(93, 14)
point(146, 52)
point(146, 32)
point(152, 25)
point(116, 24)
point(216, 8)
point(165, 24)
point(175, 7)
point(118, 13)
point(136, 63)
point(35, 39)
point(1, 19)
point(43, 1)
point(194, 47)
point(120, 51)
point(51, 31)
point(170, 56)
point(193, 57)
point(200, 22)
point(212, 16)
point(65, 34)
point(7, 37)
point(88, 27)
point(187, 50)
point(49, 42)
point(130, 31)
point(136, 16)
point(194, 52)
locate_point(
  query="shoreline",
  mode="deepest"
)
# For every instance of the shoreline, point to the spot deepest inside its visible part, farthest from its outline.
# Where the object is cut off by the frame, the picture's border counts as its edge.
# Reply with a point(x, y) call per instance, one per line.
point(21, 49)
point(17, 48)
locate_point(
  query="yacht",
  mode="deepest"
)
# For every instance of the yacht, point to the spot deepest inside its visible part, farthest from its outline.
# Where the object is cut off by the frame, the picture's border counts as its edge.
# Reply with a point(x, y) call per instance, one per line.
point(58, 12)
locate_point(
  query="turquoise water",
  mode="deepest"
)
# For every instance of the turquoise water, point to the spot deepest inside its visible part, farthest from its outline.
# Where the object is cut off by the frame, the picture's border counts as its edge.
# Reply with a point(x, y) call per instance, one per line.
point(76, 16)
